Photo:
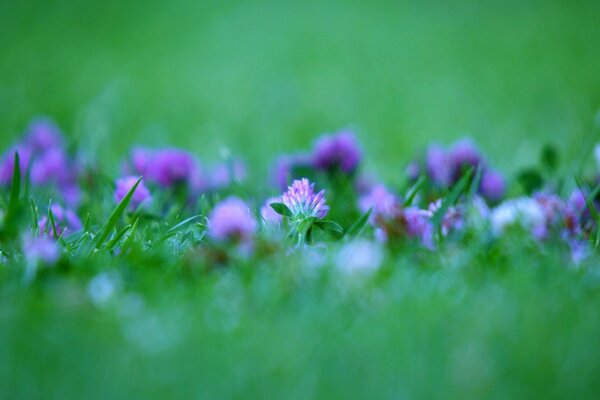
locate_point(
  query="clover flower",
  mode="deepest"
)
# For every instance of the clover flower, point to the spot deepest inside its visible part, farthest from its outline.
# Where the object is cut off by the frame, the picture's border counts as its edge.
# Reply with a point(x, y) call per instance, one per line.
point(231, 221)
point(337, 152)
point(171, 166)
point(417, 224)
point(383, 204)
point(492, 185)
point(124, 185)
point(438, 165)
point(303, 202)
point(65, 221)
point(53, 166)
point(165, 167)
point(42, 135)
point(463, 154)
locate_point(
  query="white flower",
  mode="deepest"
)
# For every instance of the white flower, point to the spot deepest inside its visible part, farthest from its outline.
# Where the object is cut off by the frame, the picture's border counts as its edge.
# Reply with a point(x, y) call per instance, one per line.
point(523, 210)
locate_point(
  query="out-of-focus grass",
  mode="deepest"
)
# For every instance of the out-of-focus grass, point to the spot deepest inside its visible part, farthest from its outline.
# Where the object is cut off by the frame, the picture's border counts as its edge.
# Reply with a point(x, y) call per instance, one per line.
point(261, 77)
point(519, 328)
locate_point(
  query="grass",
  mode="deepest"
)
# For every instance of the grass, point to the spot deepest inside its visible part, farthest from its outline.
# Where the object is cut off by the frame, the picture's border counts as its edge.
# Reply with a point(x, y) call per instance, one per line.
point(264, 77)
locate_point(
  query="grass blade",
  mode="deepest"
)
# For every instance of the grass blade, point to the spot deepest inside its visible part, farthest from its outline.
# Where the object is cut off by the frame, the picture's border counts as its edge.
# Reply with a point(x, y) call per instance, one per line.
point(593, 211)
point(358, 226)
point(451, 199)
point(114, 217)
point(34, 214)
point(414, 190)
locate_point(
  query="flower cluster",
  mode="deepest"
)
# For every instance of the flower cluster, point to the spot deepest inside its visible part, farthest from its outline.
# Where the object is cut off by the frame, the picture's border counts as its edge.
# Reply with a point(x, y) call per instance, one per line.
point(335, 153)
point(43, 156)
point(444, 167)
point(439, 207)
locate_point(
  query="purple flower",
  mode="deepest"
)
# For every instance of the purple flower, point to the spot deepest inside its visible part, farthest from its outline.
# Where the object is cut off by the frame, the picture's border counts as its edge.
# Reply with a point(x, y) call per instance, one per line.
point(285, 165)
point(303, 202)
point(438, 165)
point(577, 202)
point(43, 135)
point(124, 185)
point(65, 220)
point(52, 166)
point(418, 225)
point(141, 159)
point(231, 220)
point(464, 153)
point(340, 151)
point(171, 166)
point(492, 185)
point(38, 249)
point(384, 204)
point(268, 214)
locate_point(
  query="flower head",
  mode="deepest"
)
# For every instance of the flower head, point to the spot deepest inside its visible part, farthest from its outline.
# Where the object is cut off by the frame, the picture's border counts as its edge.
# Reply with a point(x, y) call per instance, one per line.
point(43, 135)
point(171, 166)
point(384, 204)
point(53, 166)
point(140, 160)
point(438, 165)
point(417, 224)
point(303, 202)
point(124, 185)
point(340, 151)
point(231, 220)
point(492, 185)
point(464, 153)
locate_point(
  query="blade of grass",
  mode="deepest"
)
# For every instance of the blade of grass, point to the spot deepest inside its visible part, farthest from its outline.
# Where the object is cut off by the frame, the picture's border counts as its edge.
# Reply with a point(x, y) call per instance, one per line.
point(113, 242)
point(474, 187)
point(451, 198)
point(357, 227)
point(114, 217)
point(128, 242)
point(51, 220)
point(414, 190)
point(34, 214)
point(593, 211)
point(15, 190)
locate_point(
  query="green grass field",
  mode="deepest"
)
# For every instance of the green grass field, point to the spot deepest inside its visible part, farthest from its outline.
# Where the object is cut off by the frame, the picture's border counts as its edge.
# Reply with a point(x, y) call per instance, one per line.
point(259, 78)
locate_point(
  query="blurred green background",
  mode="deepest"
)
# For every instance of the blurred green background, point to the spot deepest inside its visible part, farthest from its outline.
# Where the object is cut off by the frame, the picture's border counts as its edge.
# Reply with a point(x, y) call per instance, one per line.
point(262, 77)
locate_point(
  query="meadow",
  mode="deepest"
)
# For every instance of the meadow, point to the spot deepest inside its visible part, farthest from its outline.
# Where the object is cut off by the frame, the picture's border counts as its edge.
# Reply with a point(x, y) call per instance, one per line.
point(378, 293)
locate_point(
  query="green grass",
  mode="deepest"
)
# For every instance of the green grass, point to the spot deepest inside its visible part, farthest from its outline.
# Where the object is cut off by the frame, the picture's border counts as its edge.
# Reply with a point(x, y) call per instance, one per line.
point(264, 77)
